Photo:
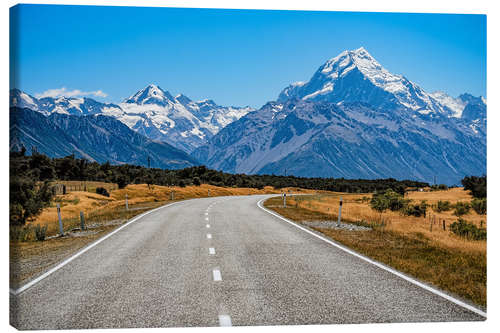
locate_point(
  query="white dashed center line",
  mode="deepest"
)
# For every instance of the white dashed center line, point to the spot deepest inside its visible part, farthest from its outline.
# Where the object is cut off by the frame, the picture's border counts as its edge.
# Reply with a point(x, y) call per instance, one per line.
point(209, 236)
point(206, 218)
point(211, 250)
point(217, 275)
point(225, 320)
point(208, 225)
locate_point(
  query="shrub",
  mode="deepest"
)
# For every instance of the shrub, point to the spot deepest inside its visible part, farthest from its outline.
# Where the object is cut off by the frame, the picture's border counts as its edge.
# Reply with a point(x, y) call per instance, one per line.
point(388, 200)
point(461, 208)
point(479, 206)
point(443, 206)
point(19, 234)
point(196, 181)
point(468, 230)
point(415, 209)
point(40, 232)
point(102, 191)
point(440, 187)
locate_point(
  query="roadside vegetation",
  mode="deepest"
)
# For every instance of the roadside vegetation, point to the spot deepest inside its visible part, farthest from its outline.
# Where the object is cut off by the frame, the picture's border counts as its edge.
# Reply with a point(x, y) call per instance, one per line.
point(418, 233)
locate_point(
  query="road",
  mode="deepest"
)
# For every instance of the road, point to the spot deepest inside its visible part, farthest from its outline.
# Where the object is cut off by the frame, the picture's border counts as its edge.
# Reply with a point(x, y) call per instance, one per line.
point(221, 261)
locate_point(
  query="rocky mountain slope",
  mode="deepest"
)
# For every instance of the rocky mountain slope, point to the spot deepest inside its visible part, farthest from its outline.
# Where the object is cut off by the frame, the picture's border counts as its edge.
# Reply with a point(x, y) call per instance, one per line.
point(95, 137)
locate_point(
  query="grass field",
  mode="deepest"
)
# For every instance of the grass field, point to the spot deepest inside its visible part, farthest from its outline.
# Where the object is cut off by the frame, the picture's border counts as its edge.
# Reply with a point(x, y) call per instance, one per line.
point(406, 243)
point(354, 209)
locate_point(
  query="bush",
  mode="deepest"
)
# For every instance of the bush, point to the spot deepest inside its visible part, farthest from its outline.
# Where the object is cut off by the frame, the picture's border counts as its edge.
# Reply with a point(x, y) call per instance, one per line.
point(479, 206)
point(461, 208)
point(443, 206)
point(440, 187)
point(102, 191)
point(19, 234)
point(40, 232)
point(388, 200)
point(417, 210)
point(196, 181)
point(468, 230)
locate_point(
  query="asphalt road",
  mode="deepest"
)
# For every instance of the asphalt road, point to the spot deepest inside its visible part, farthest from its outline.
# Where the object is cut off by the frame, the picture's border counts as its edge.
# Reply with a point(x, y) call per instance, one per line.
point(221, 261)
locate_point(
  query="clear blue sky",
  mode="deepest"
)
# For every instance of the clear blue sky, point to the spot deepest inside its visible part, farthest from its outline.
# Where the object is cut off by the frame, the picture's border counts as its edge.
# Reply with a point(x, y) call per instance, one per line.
point(235, 57)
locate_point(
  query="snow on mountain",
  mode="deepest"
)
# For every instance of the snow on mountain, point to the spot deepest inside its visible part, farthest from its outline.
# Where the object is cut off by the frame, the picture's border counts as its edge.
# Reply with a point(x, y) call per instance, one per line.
point(455, 104)
point(355, 76)
point(22, 100)
point(186, 124)
point(152, 94)
point(151, 111)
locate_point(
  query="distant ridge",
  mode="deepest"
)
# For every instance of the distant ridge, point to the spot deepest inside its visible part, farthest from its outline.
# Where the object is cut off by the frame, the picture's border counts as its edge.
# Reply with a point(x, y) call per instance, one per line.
point(94, 137)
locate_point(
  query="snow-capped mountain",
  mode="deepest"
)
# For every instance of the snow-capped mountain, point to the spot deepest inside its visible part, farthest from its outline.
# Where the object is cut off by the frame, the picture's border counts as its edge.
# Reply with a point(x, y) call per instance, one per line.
point(355, 76)
point(462, 102)
point(178, 120)
point(152, 112)
point(64, 105)
point(354, 119)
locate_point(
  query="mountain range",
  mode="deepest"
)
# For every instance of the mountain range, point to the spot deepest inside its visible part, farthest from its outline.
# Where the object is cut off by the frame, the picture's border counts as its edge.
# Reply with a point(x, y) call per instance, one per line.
point(152, 111)
point(94, 137)
point(352, 119)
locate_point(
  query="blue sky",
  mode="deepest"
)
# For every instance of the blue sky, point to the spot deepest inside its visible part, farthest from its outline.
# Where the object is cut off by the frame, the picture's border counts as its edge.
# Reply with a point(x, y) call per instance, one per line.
point(235, 57)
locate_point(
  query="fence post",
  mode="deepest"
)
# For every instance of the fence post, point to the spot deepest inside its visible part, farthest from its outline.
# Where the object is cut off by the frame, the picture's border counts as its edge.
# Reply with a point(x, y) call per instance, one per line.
point(431, 222)
point(126, 201)
point(444, 225)
point(340, 212)
point(82, 221)
point(172, 195)
point(61, 230)
point(284, 200)
point(208, 192)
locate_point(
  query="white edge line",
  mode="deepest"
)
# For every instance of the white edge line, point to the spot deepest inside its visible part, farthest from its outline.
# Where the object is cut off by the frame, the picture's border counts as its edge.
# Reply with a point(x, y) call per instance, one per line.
point(379, 265)
point(217, 275)
point(225, 321)
point(79, 253)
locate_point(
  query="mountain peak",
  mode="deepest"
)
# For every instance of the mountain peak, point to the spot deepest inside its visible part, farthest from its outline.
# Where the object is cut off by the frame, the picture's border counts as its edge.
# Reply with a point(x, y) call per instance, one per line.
point(356, 76)
point(151, 94)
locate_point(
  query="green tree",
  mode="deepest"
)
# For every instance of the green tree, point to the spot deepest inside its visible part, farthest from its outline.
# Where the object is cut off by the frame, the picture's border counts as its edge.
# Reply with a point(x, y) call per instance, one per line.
point(27, 199)
point(476, 186)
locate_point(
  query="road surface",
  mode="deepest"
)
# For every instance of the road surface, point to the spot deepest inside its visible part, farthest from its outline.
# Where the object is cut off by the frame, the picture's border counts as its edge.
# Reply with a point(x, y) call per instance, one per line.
point(221, 261)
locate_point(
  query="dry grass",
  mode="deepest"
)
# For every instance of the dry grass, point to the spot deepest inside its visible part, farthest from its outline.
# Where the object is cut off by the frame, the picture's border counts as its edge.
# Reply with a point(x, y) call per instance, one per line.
point(355, 210)
point(458, 268)
point(90, 186)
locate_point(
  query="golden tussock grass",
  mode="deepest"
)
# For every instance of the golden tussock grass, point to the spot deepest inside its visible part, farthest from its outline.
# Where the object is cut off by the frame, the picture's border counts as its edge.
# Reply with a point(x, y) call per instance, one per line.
point(356, 210)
